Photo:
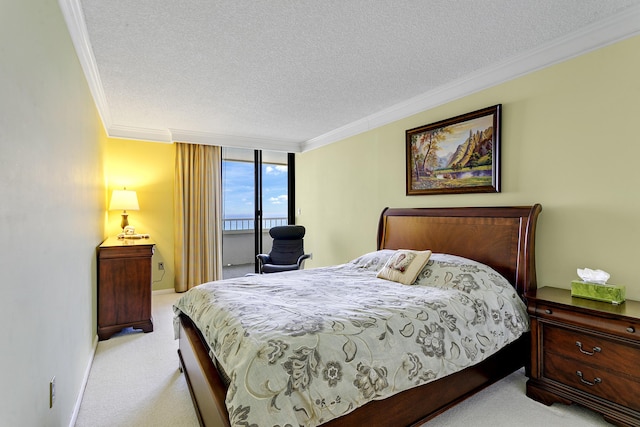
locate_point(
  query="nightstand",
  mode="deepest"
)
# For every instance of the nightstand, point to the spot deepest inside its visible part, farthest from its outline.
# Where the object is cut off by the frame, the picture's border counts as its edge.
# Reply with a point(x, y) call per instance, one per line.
point(124, 285)
point(585, 352)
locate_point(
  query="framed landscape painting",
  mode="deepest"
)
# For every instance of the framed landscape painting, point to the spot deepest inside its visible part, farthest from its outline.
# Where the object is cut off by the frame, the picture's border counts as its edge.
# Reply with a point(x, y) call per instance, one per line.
point(456, 155)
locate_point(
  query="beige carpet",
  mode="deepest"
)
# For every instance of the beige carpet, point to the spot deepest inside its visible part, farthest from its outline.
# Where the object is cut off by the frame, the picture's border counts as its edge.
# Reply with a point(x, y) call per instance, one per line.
point(135, 382)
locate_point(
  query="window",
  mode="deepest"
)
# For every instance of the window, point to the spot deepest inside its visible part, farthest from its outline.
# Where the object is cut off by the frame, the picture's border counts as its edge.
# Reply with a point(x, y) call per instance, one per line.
point(257, 195)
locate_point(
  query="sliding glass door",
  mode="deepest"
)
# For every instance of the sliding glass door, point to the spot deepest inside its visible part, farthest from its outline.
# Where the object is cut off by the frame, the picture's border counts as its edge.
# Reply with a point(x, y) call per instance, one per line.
point(257, 195)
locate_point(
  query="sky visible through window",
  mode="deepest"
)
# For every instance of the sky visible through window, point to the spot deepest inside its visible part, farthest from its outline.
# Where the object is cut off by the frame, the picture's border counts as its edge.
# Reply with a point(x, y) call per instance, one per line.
point(237, 182)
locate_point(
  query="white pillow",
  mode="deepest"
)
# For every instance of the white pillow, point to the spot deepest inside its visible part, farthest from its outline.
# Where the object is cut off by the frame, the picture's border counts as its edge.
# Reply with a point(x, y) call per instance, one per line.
point(373, 261)
point(404, 266)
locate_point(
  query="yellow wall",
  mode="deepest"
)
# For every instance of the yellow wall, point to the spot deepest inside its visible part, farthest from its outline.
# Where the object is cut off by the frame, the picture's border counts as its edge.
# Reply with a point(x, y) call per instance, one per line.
point(147, 168)
point(569, 141)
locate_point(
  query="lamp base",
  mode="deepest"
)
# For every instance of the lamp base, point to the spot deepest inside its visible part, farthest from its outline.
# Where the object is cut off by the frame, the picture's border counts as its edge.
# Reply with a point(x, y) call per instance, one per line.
point(125, 220)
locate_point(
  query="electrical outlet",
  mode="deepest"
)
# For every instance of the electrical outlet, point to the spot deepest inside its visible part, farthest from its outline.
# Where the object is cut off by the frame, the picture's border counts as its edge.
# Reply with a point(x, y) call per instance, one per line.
point(161, 266)
point(52, 392)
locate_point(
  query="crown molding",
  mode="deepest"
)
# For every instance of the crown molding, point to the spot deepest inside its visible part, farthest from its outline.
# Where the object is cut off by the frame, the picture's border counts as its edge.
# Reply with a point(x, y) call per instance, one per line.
point(237, 141)
point(142, 134)
point(205, 138)
point(616, 28)
point(74, 17)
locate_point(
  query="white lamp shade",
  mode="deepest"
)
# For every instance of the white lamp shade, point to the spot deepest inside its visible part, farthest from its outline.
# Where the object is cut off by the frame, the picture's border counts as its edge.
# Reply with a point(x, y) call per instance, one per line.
point(125, 200)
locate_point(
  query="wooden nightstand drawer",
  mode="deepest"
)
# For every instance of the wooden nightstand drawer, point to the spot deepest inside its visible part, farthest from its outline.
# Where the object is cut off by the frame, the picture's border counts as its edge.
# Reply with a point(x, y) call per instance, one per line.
point(611, 325)
point(607, 385)
point(596, 351)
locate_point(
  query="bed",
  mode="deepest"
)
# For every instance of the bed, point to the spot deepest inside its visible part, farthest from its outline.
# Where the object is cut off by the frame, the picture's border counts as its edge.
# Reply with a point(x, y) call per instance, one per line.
point(502, 239)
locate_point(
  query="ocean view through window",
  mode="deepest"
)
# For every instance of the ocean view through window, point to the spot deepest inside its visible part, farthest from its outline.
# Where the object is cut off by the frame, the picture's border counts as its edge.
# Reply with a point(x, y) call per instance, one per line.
point(250, 177)
point(238, 195)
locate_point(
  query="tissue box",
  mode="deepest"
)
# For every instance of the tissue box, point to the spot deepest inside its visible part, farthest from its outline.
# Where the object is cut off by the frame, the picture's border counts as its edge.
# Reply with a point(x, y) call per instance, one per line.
point(614, 294)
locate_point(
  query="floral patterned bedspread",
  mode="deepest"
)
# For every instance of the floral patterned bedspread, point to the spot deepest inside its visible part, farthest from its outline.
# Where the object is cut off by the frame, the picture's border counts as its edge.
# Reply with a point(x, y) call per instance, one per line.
point(304, 347)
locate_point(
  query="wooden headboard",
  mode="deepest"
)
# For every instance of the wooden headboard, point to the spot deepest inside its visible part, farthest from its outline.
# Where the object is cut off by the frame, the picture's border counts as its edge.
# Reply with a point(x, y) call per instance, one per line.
point(501, 237)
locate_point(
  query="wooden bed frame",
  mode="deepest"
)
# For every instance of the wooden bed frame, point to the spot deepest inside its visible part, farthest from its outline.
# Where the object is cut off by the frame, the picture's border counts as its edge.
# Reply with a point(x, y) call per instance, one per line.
point(501, 237)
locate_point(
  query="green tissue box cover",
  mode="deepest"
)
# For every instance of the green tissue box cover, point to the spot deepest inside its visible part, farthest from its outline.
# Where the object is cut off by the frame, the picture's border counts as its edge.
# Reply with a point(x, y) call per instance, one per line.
point(608, 293)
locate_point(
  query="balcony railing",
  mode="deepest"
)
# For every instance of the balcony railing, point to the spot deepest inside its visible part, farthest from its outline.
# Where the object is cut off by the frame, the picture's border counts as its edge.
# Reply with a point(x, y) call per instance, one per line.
point(241, 224)
point(238, 244)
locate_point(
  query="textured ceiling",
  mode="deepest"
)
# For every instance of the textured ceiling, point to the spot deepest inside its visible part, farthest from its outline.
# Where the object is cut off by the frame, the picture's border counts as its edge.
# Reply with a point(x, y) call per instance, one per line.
point(295, 74)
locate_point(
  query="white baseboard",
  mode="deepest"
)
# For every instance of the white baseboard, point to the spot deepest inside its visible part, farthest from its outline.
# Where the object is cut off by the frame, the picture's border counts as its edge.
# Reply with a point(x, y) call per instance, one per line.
point(85, 380)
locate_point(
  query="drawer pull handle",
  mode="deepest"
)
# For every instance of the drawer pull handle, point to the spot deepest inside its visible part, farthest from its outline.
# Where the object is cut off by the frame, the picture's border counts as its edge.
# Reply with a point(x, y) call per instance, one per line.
point(596, 380)
point(548, 311)
point(588, 353)
point(631, 329)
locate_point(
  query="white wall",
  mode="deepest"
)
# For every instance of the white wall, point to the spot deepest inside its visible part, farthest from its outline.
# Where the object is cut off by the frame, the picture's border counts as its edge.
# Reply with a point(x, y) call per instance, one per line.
point(51, 215)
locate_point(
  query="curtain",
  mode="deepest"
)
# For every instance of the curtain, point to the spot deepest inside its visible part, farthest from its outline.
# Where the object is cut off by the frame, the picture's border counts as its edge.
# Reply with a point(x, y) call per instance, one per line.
point(198, 215)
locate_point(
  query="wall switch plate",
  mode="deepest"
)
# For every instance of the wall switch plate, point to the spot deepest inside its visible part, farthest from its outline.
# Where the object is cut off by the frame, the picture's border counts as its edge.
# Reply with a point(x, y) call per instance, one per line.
point(161, 266)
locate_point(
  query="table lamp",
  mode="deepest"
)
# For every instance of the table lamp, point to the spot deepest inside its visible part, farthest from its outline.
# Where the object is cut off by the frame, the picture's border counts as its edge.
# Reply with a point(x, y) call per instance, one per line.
point(124, 200)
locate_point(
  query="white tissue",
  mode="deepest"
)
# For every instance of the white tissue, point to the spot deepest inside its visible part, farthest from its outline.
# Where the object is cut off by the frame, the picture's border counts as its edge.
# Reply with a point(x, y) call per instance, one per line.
point(593, 276)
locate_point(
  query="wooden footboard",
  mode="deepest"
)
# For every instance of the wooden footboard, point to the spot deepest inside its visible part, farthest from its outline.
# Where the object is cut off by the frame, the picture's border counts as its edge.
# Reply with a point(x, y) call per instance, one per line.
point(409, 408)
point(207, 390)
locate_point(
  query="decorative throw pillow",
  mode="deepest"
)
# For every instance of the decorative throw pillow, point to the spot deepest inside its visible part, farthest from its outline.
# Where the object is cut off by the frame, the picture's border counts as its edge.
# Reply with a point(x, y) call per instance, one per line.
point(404, 266)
